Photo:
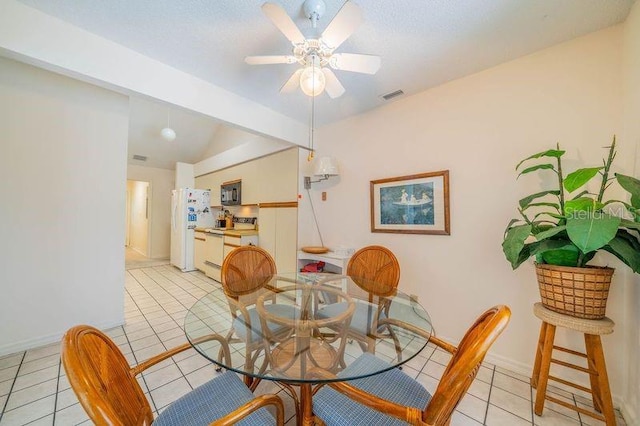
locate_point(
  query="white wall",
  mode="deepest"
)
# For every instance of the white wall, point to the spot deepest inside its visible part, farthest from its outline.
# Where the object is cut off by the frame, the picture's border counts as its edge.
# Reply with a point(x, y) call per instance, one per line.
point(631, 104)
point(139, 220)
point(479, 127)
point(63, 183)
point(161, 183)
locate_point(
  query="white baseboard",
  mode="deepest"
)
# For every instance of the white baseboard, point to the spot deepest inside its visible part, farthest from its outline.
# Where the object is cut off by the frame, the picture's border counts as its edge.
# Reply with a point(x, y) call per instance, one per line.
point(629, 414)
point(525, 370)
point(24, 345)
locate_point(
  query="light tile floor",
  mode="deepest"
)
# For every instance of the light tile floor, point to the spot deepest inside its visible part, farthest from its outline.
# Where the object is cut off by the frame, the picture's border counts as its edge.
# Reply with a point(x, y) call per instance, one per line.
point(34, 389)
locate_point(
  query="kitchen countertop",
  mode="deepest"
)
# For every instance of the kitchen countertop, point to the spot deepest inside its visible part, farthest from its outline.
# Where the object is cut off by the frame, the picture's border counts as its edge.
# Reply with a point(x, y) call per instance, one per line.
point(229, 232)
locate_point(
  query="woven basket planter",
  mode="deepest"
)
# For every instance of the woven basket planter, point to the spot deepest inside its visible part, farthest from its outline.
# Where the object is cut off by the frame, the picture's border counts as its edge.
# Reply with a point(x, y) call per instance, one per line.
point(578, 292)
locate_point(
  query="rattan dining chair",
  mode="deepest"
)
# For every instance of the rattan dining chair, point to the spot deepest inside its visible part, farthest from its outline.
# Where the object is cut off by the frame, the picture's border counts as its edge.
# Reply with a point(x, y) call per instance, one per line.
point(394, 398)
point(377, 271)
point(107, 388)
point(244, 270)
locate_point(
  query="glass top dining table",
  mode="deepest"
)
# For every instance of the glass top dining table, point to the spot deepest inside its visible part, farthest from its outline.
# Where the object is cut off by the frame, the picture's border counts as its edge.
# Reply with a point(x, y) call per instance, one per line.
point(305, 329)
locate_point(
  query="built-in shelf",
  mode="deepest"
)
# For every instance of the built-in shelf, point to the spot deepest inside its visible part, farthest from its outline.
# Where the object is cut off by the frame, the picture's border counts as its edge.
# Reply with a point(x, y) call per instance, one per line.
point(335, 263)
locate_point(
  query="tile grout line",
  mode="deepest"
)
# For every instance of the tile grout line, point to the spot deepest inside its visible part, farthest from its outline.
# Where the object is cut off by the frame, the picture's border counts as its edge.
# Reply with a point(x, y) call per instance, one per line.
point(132, 351)
point(24, 354)
point(532, 404)
point(575, 402)
point(55, 402)
point(154, 331)
point(486, 411)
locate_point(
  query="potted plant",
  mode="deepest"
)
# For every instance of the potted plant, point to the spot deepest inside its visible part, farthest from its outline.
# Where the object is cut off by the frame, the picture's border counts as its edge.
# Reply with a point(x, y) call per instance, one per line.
point(563, 228)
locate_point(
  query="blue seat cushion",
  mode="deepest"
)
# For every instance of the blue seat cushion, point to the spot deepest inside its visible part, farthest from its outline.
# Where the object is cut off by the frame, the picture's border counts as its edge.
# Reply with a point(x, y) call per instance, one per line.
point(336, 409)
point(282, 311)
point(211, 401)
point(362, 316)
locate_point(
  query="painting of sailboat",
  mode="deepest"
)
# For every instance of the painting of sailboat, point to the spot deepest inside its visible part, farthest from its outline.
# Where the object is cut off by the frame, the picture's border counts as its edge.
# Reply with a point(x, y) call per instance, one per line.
point(416, 204)
point(407, 204)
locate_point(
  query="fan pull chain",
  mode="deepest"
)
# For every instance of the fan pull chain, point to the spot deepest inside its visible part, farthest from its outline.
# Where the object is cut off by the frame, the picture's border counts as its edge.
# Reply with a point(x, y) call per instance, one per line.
point(312, 118)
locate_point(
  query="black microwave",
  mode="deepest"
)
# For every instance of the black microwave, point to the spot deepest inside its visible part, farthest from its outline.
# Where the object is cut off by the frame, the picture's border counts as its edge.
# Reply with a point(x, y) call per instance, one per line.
point(230, 193)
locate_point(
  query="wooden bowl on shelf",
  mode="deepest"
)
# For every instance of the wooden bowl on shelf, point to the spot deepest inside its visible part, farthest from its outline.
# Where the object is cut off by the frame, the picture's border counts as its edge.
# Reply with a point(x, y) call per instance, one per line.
point(315, 249)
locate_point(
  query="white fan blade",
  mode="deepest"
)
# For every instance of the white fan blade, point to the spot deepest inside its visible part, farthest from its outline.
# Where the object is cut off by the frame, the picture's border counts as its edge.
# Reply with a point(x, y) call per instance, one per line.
point(332, 85)
point(268, 60)
point(355, 62)
point(292, 83)
point(283, 22)
point(349, 17)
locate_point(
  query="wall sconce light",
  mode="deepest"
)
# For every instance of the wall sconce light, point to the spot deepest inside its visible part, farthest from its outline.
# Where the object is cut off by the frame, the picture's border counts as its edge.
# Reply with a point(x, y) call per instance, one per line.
point(325, 167)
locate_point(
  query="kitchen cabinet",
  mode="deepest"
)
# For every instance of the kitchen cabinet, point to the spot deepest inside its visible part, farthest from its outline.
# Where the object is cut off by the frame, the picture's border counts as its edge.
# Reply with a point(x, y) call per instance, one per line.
point(233, 240)
point(212, 247)
point(279, 182)
point(199, 250)
point(214, 255)
point(278, 233)
point(273, 178)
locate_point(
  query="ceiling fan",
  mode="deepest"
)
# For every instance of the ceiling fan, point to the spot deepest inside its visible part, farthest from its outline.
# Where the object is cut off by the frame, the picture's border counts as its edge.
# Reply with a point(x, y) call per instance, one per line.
point(316, 56)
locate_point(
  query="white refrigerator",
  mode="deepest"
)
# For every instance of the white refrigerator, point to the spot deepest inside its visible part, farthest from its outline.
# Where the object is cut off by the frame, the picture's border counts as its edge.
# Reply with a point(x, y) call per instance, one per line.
point(190, 208)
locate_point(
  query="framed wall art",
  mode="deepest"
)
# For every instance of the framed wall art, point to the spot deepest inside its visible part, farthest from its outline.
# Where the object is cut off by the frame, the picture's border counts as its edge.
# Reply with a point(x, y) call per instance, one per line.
point(416, 204)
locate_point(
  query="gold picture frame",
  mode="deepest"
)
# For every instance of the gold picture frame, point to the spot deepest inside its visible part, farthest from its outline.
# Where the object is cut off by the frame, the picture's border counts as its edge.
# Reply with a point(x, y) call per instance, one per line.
point(414, 204)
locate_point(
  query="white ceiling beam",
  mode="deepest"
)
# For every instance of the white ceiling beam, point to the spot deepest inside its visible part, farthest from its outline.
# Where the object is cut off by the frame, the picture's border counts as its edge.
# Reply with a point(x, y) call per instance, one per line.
point(240, 154)
point(31, 36)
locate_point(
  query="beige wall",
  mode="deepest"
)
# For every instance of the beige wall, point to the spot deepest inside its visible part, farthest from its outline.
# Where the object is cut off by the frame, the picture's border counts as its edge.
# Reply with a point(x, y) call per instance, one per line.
point(63, 183)
point(631, 105)
point(479, 127)
point(161, 183)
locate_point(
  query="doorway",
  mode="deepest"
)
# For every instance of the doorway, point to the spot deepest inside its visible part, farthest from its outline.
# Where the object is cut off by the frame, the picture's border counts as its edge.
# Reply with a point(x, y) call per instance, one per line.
point(137, 218)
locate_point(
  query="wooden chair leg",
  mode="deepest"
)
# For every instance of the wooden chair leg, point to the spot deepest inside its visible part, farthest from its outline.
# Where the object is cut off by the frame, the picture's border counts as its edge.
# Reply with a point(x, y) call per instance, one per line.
point(593, 375)
point(545, 365)
point(595, 355)
point(536, 364)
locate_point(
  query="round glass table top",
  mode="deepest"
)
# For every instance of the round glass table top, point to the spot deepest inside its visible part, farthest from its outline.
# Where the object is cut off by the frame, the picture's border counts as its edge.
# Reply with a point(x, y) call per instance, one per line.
point(296, 327)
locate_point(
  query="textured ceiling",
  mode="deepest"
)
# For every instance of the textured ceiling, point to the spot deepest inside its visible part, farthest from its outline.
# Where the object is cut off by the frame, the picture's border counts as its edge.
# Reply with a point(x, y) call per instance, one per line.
point(422, 44)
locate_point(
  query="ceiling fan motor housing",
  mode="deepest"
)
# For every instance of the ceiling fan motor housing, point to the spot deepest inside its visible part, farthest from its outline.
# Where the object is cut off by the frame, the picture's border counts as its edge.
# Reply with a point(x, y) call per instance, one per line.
point(314, 9)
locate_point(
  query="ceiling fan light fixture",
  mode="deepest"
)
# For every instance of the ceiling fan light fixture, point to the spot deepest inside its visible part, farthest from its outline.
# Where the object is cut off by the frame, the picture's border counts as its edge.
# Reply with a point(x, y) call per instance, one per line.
point(312, 81)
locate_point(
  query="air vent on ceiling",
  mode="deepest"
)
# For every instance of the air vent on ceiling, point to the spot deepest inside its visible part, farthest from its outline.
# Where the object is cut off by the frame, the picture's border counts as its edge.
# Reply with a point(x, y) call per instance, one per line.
point(392, 95)
point(139, 157)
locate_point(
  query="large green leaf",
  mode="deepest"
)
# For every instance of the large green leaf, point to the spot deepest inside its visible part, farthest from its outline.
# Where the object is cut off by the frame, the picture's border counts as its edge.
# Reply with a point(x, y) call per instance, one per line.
point(538, 167)
point(554, 205)
point(550, 153)
point(578, 178)
point(566, 255)
point(514, 243)
point(629, 237)
point(582, 204)
point(550, 214)
point(580, 194)
point(527, 200)
point(624, 251)
point(630, 224)
point(590, 231)
point(550, 232)
point(632, 185)
point(511, 222)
